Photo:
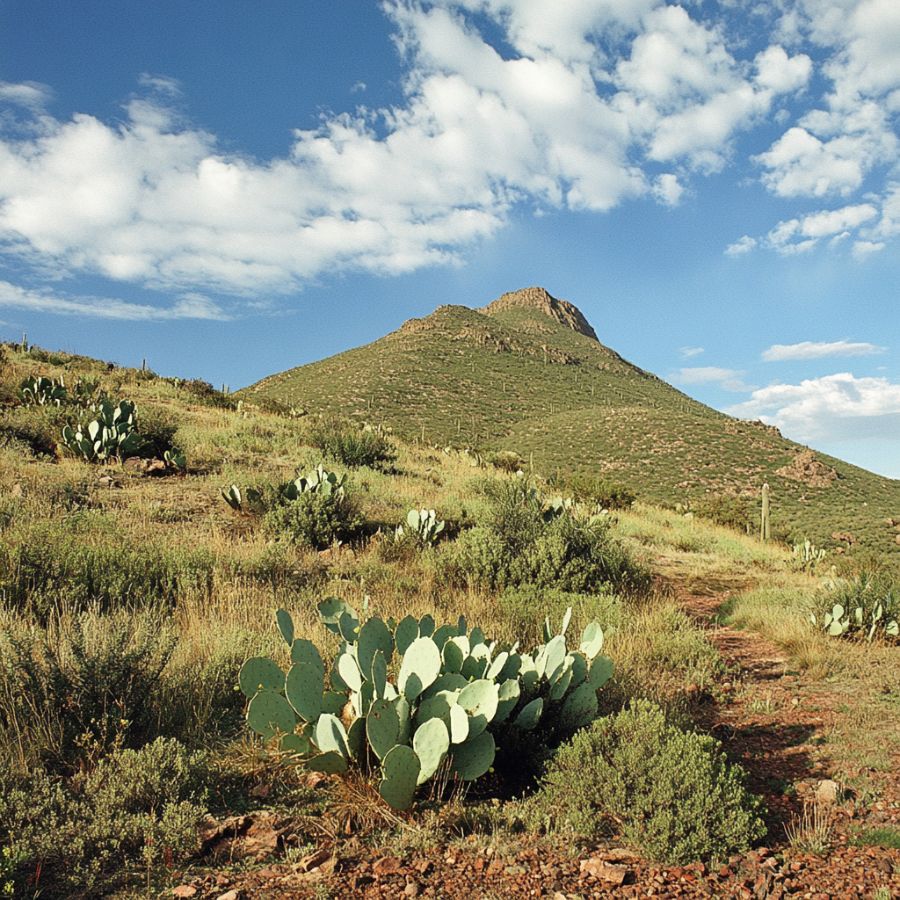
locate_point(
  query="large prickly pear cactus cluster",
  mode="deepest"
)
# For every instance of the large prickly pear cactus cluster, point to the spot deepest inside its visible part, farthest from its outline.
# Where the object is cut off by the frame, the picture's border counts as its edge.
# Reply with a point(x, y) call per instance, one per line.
point(111, 435)
point(38, 390)
point(318, 481)
point(450, 698)
point(423, 525)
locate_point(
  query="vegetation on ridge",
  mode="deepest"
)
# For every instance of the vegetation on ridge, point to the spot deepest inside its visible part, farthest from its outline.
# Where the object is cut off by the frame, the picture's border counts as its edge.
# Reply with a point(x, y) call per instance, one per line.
point(510, 377)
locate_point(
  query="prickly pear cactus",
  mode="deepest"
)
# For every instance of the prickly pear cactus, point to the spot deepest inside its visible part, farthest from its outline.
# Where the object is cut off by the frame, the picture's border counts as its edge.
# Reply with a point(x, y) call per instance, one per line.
point(112, 435)
point(456, 696)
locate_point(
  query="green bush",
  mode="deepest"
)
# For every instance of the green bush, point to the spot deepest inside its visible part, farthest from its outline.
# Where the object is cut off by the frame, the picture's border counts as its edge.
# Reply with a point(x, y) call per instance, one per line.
point(672, 793)
point(156, 428)
point(350, 444)
point(314, 519)
point(45, 565)
point(595, 489)
point(87, 684)
point(564, 554)
point(33, 428)
point(506, 460)
point(136, 808)
point(739, 513)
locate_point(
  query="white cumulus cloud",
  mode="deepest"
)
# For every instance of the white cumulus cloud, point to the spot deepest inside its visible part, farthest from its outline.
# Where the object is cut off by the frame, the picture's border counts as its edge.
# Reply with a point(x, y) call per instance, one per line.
point(831, 407)
point(506, 105)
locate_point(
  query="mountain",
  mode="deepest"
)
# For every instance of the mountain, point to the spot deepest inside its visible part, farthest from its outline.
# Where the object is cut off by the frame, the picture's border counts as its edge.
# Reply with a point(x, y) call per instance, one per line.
point(528, 373)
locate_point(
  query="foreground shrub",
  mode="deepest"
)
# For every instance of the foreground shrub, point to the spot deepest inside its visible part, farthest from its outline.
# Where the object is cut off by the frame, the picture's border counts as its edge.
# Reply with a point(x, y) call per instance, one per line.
point(865, 606)
point(136, 808)
point(670, 792)
point(453, 693)
point(352, 445)
point(90, 682)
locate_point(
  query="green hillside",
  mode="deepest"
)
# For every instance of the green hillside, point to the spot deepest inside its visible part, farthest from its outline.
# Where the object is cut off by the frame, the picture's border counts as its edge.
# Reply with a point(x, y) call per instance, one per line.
point(526, 373)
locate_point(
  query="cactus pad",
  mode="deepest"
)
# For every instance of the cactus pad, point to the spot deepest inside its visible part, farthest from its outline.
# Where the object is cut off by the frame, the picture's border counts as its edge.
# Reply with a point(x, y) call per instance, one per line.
point(285, 625)
point(474, 757)
point(382, 727)
point(421, 666)
point(430, 743)
point(259, 673)
point(269, 713)
point(304, 690)
point(400, 769)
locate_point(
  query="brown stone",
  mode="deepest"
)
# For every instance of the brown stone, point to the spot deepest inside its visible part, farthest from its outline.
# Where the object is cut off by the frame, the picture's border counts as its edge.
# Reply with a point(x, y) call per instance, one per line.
point(386, 865)
point(604, 871)
point(184, 891)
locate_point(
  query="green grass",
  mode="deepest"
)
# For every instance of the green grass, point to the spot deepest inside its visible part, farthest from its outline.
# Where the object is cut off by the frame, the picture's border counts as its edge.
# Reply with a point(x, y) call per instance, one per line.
point(887, 837)
point(515, 379)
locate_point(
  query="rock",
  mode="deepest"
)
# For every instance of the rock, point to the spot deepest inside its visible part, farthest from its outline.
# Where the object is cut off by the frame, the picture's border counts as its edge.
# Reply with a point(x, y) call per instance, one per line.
point(314, 860)
point(184, 891)
point(412, 889)
point(599, 868)
point(386, 865)
point(827, 791)
point(229, 895)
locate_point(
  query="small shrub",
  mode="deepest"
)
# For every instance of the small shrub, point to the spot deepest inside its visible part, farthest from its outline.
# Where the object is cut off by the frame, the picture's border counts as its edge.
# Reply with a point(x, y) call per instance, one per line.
point(739, 513)
point(565, 554)
point(599, 491)
point(135, 808)
point(35, 429)
point(670, 792)
point(156, 427)
point(351, 445)
point(506, 461)
point(203, 392)
point(314, 519)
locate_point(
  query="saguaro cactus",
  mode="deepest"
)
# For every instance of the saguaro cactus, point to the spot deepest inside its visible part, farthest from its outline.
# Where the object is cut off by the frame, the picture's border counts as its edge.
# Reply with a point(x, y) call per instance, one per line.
point(764, 529)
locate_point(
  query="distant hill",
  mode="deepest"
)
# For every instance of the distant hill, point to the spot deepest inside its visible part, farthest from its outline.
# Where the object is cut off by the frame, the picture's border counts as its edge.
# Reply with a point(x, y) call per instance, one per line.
point(527, 373)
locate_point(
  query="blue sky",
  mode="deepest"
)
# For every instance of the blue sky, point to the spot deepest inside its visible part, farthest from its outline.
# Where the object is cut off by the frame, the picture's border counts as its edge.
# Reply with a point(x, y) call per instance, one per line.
point(230, 190)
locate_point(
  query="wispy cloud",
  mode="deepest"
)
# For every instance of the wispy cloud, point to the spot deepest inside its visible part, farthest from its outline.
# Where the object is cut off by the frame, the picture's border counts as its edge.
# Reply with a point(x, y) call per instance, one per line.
point(189, 306)
point(820, 350)
point(741, 246)
point(30, 94)
point(839, 406)
point(727, 379)
point(689, 352)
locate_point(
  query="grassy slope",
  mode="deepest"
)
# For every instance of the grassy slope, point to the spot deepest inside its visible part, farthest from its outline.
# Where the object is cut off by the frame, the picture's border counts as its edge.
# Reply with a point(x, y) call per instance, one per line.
point(462, 377)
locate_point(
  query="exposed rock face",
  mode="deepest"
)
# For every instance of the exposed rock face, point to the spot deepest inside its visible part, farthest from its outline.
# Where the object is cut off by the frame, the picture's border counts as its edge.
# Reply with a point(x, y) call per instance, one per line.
point(807, 469)
point(537, 298)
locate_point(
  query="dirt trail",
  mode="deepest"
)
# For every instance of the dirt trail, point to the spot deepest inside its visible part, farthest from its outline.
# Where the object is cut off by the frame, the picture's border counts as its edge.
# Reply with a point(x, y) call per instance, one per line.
point(769, 718)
